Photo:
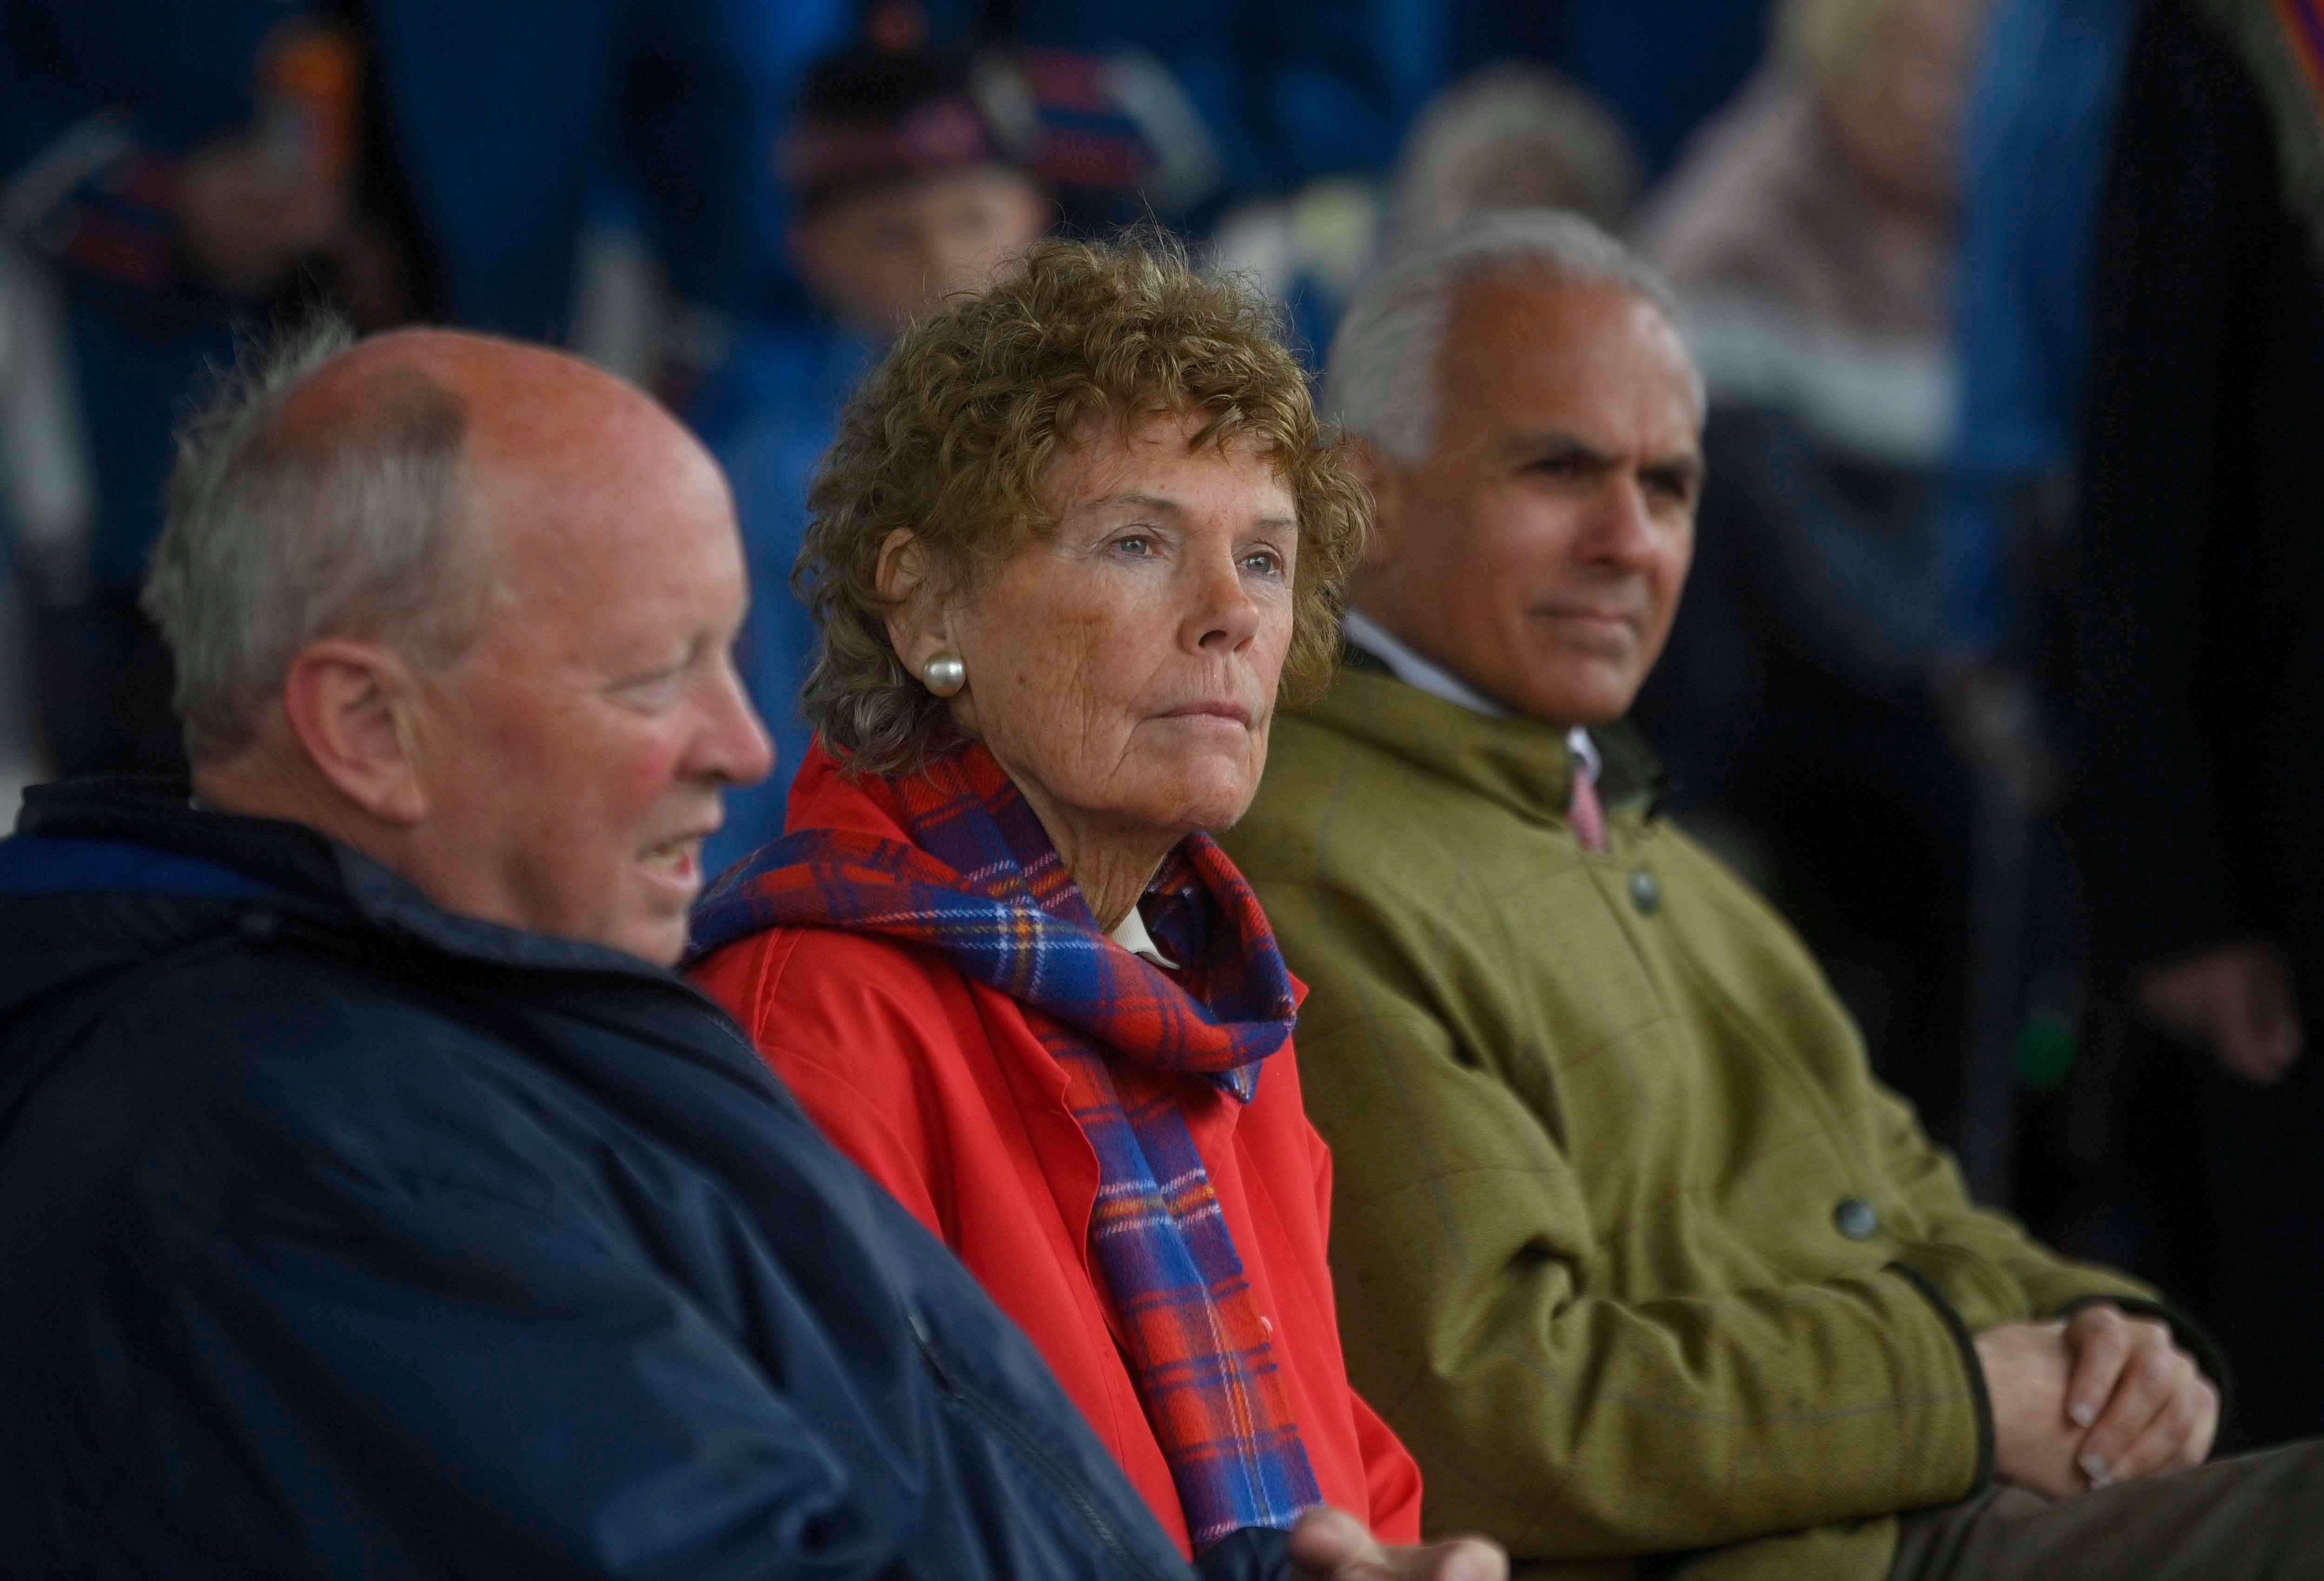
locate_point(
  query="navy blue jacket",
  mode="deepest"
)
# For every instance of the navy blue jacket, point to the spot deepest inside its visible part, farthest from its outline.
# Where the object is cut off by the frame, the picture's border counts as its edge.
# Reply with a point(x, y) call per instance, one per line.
point(340, 1235)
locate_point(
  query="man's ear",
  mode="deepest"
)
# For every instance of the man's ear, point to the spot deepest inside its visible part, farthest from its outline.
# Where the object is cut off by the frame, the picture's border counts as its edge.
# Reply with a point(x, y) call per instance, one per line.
point(353, 708)
point(916, 624)
point(1385, 480)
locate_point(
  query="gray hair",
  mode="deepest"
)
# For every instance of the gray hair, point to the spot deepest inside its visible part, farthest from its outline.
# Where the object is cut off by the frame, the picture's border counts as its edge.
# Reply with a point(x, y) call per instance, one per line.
point(1381, 382)
point(1509, 137)
point(273, 539)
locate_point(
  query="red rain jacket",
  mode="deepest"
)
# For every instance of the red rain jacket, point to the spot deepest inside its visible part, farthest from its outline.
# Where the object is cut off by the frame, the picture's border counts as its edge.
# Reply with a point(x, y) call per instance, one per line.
point(939, 1087)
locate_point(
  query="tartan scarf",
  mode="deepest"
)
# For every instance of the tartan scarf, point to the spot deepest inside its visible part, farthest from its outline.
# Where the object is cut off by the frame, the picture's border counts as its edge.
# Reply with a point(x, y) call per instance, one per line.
point(983, 884)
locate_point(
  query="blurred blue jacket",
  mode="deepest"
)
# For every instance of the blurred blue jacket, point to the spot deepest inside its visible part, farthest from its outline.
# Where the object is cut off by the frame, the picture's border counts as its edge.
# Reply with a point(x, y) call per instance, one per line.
point(499, 117)
point(1286, 92)
point(769, 413)
point(2040, 124)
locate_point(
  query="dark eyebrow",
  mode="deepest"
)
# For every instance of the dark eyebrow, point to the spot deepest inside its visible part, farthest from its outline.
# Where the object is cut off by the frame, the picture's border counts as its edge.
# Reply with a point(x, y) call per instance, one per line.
point(1556, 442)
point(1684, 470)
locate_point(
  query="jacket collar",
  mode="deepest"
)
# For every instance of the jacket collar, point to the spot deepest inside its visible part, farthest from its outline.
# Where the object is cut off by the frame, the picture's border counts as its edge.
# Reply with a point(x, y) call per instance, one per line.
point(1521, 764)
point(163, 841)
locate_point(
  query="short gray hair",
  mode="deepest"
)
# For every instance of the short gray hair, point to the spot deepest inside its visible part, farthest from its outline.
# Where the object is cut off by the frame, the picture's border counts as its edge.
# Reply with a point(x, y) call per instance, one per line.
point(273, 539)
point(1382, 384)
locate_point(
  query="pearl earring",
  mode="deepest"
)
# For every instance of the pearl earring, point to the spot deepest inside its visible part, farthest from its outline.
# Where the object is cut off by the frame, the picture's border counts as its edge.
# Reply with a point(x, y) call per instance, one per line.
point(944, 674)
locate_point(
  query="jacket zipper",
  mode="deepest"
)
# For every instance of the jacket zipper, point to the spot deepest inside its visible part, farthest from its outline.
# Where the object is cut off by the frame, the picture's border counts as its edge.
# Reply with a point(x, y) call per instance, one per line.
point(1000, 1422)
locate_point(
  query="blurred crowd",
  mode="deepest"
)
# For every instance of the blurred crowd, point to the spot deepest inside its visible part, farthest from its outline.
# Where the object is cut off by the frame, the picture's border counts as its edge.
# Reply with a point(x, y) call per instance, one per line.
point(1998, 673)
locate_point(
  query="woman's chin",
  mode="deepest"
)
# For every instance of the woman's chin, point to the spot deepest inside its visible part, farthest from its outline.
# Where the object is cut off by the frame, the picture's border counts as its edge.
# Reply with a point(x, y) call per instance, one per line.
point(1206, 795)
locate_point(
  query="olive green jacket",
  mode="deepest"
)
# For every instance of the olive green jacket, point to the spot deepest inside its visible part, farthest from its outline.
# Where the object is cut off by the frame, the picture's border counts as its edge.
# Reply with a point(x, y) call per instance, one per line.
point(1630, 1248)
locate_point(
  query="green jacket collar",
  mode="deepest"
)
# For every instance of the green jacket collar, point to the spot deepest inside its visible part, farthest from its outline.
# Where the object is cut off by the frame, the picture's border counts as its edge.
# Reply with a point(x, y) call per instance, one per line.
point(1519, 763)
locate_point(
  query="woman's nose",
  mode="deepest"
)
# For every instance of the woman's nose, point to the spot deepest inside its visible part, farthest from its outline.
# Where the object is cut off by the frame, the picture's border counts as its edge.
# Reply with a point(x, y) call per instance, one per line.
point(1223, 613)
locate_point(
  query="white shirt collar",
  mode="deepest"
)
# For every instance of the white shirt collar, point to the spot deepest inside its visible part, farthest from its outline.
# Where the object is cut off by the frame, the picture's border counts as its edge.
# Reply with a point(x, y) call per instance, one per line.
point(1131, 933)
point(1585, 753)
point(1411, 668)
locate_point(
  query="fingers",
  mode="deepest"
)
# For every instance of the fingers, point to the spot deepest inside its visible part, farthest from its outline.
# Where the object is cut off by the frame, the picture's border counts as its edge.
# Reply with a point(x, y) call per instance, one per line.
point(1334, 1545)
point(2179, 1437)
point(1464, 1558)
point(2026, 1368)
point(2159, 1392)
point(2206, 1431)
point(2100, 1338)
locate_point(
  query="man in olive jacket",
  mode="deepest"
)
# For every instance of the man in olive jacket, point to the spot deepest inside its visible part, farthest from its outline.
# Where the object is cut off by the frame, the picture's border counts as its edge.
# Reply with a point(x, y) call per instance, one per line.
point(1632, 1250)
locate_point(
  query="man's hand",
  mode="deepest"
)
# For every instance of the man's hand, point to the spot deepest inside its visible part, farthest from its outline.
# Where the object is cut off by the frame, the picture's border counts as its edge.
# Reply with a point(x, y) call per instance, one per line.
point(2146, 1404)
point(2237, 1000)
point(1332, 1545)
point(2028, 1366)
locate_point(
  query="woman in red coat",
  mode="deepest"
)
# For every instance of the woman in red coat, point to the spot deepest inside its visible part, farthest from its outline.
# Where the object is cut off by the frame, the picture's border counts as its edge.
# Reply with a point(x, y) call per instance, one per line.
point(1075, 538)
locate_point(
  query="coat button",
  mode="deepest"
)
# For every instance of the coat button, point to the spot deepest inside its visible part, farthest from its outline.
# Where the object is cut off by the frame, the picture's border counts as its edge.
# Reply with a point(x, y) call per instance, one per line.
point(1856, 1219)
point(1645, 892)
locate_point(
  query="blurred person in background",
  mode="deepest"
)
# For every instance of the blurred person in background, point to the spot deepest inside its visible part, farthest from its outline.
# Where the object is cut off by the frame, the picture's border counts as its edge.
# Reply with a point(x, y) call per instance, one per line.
point(2039, 127)
point(1258, 129)
point(1659, 66)
point(1511, 136)
point(187, 168)
point(900, 195)
point(2200, 764)
point(2040, 123)
point(1180, 111)
point(1810, 232)
point(45, 504)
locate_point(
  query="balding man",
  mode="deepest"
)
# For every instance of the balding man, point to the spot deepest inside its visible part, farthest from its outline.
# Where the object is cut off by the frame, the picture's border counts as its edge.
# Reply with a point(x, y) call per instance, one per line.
point(1631, 1249)
point(372, 1198)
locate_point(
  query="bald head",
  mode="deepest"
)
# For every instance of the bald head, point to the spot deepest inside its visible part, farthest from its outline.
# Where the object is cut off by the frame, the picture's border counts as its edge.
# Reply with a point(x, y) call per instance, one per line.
point(531, 408)
point(367, 489)
point(466, 604)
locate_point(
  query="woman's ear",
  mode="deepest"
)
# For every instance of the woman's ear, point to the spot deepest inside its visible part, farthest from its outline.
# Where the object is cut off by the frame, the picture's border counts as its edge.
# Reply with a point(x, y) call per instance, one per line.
point(915, 623)
point(1386, 482)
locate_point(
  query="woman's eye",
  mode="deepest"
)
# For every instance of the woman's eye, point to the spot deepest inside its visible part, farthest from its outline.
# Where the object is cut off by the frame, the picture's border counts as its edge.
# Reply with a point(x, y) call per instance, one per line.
point(1135, 543)
point(1263, 562)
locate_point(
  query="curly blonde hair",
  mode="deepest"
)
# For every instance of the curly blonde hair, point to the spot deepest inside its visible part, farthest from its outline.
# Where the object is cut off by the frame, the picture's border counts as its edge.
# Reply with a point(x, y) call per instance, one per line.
point(953, 437)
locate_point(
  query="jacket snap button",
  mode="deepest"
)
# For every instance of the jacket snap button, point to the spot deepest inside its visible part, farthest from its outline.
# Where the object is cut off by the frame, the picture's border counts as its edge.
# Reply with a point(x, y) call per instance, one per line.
point(1646, 893)
point(1856, 1219)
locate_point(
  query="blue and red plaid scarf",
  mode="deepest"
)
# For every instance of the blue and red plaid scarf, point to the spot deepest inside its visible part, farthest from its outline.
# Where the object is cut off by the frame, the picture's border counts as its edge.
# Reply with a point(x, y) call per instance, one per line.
point(983, 884)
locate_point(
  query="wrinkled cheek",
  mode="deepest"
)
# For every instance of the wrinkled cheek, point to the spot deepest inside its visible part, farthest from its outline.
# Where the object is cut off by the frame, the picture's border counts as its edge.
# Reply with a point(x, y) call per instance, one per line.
point(1276, 648)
